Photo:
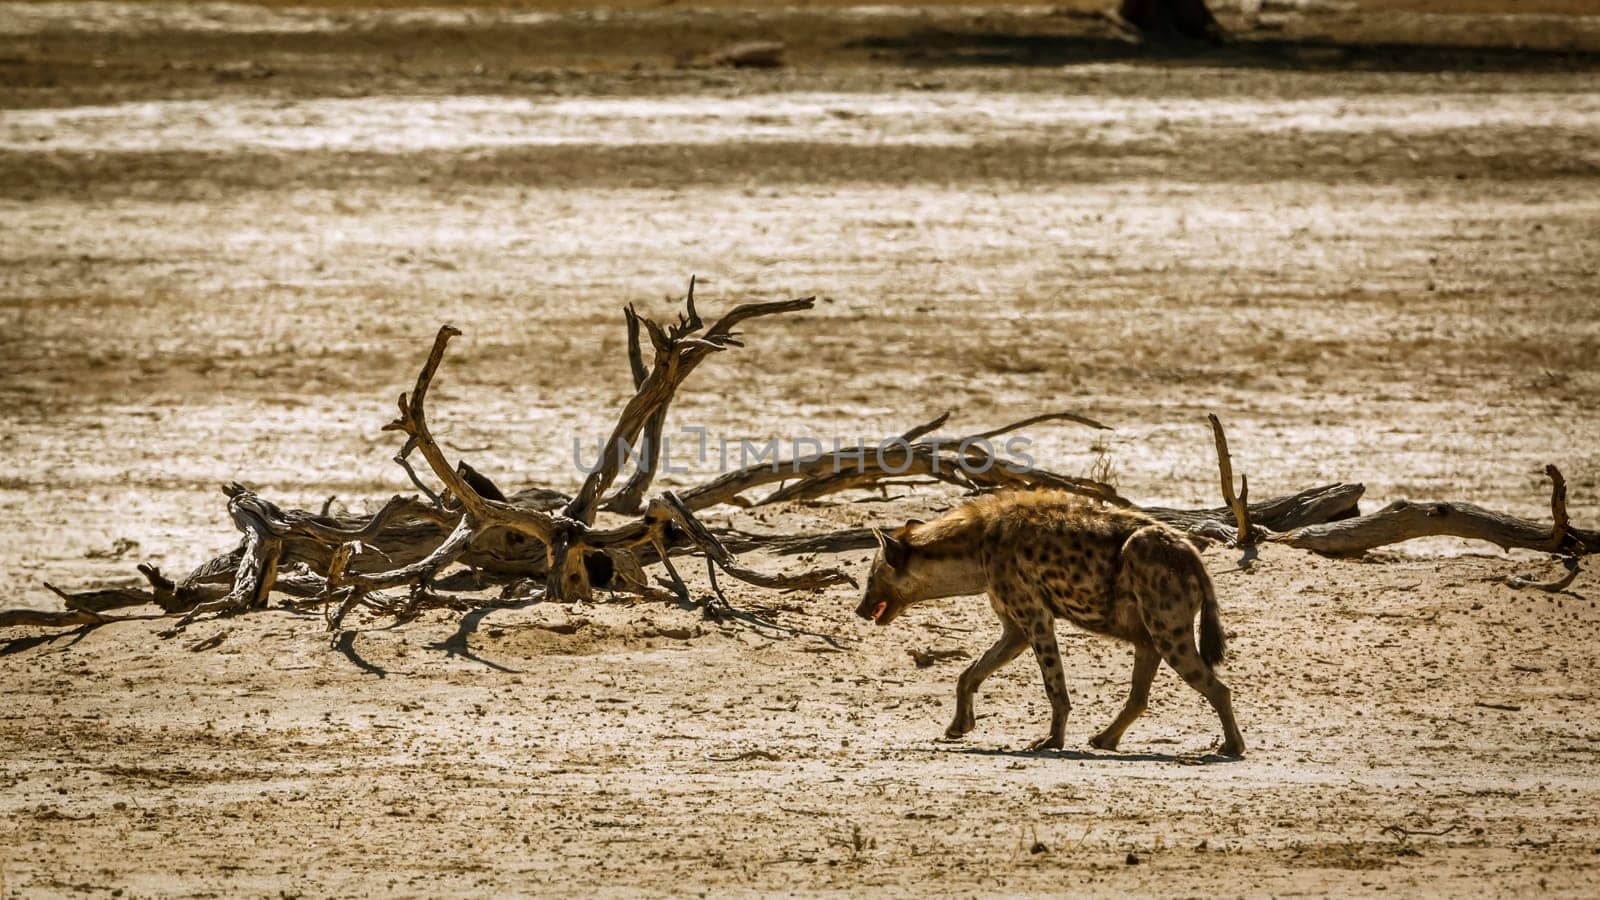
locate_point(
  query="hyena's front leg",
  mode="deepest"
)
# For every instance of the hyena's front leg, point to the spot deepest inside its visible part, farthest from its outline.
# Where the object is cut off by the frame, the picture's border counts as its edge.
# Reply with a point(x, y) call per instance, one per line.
point(1011, 643)
point(1042, 634)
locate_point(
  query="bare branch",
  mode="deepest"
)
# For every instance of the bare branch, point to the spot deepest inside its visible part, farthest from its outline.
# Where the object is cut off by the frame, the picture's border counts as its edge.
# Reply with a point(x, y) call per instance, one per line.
point(907, 456)
point(1553, 586)
point(690, 322)
point(402, 459)
point(708, 543)
point(1309, 507)
point(99, 601)
point(414, 422)
point(423, 569)
point(635, 354)
point(677, 355)
point(1558, 505)
point(1244, 537)
point(926, 428)
point(284, 521)
point(1035, 420)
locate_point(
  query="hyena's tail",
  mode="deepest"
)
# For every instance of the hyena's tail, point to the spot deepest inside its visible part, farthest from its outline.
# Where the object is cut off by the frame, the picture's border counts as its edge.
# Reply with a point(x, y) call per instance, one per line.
point(1212, 644)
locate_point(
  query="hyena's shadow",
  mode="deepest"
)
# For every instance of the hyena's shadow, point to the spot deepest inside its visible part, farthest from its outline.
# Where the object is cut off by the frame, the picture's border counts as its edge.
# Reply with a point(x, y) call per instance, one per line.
point(1187, 759)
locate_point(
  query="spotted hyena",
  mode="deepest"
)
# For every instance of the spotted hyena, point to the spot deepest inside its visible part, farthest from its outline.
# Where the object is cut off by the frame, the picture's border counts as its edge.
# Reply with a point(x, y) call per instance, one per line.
point(1043, 555)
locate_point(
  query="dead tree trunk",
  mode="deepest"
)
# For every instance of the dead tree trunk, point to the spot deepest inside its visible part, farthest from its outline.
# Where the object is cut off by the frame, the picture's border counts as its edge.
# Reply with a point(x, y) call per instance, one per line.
point(1404, 520)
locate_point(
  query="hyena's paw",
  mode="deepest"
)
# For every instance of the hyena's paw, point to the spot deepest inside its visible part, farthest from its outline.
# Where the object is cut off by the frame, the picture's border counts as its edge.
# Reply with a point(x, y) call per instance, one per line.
point(1105, 741)
point(1235, 750)
point(1048, 742)
point(960, 726)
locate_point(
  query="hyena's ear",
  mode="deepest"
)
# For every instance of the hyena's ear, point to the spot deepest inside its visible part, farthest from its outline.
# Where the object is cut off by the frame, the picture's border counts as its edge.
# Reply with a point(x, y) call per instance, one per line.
point(895, 551)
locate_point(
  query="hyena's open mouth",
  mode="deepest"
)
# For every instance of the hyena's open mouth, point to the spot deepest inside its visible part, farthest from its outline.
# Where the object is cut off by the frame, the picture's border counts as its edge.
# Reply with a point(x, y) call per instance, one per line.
point(879, 610)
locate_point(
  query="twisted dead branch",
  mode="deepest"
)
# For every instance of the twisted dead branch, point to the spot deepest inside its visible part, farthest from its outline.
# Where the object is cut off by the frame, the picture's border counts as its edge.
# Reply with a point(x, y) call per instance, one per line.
point(1243, 535)
point(967, 462)
point(570, 543)
point(629, 499)
point(1554, 585)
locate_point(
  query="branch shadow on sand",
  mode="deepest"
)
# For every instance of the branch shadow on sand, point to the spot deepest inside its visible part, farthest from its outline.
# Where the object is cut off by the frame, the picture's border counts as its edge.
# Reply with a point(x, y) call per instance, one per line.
point(456, 644)
point(18, 645)
point(346, 645)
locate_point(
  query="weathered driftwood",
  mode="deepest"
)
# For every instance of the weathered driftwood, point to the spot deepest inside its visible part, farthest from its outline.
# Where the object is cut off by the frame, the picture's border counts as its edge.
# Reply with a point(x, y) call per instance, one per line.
point(407, 543)
point(543, 543)
point(1328, 503)
point(574, 552)
point(259, 556)
point(344, 563)
point(1404, 520)
point(1314, 505)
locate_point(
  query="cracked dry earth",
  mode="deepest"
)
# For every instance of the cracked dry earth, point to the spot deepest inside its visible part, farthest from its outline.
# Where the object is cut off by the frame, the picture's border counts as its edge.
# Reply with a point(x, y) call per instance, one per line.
point(210, 273)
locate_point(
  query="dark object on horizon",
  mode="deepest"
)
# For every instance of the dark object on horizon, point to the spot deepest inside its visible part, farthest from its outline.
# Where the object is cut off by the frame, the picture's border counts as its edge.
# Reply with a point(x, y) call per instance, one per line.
point(1190, 19)
point(749, 55)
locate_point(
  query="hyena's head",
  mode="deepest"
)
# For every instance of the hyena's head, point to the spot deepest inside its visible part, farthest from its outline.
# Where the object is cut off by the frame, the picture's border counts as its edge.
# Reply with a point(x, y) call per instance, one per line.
point(891, 582)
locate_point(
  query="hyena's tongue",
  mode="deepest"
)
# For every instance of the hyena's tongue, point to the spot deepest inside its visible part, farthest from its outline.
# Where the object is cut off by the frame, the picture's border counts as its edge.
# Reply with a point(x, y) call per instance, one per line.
point(877, 611)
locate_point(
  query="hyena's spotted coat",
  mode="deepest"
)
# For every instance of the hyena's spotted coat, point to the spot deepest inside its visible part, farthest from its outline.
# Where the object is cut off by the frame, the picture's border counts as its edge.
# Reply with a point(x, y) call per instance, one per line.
point(1044, 555)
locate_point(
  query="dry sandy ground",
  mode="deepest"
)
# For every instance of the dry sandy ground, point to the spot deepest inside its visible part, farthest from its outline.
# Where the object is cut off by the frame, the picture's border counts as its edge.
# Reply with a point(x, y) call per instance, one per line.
point(230, 234)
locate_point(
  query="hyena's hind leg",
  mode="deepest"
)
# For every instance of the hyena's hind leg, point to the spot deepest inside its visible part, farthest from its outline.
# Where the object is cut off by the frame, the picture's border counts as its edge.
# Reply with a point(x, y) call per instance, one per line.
point(1145, 663)
point(1169, 581)
point(1183, 657)
point(1010, 645)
